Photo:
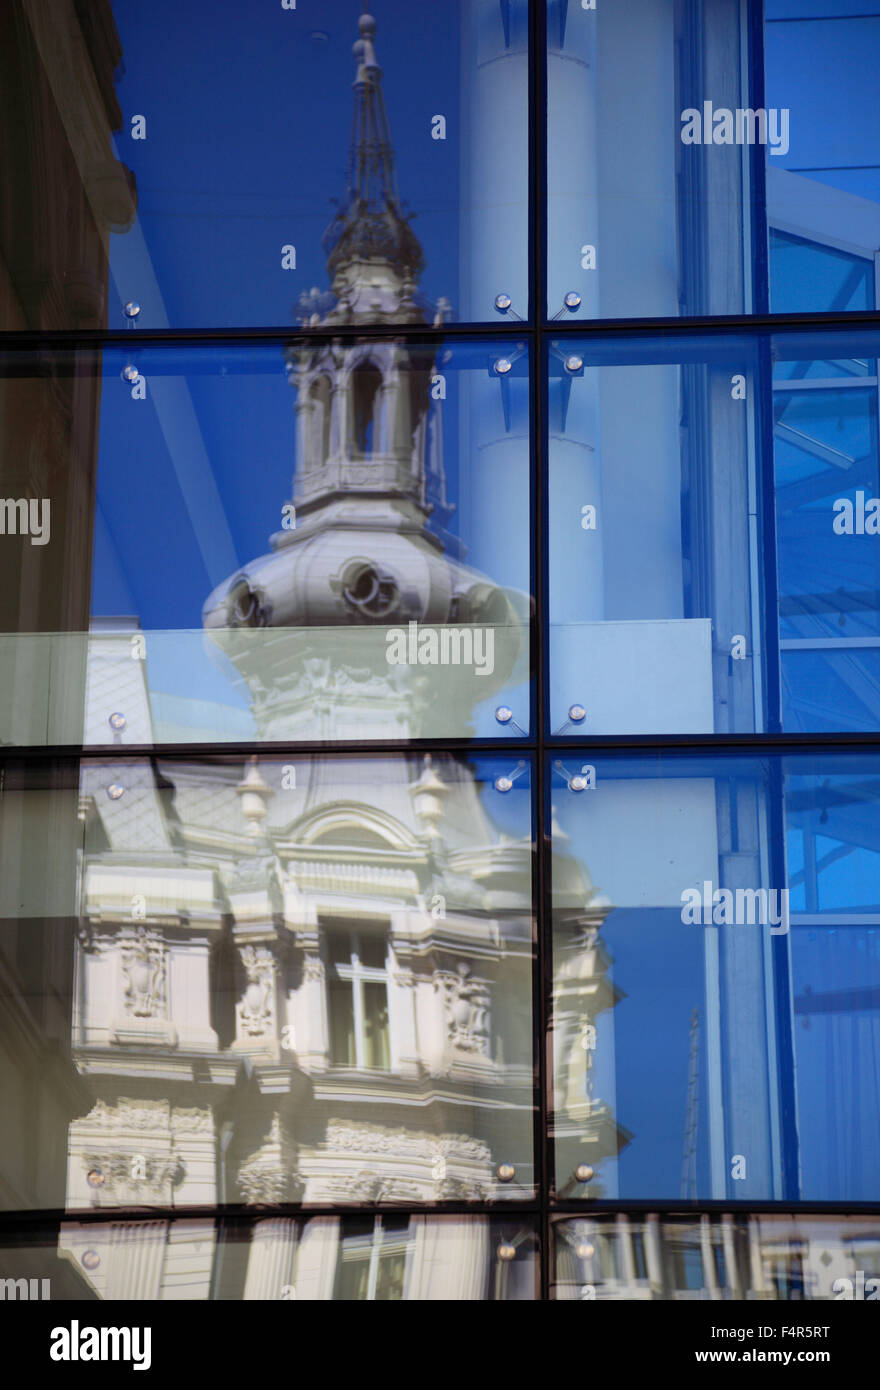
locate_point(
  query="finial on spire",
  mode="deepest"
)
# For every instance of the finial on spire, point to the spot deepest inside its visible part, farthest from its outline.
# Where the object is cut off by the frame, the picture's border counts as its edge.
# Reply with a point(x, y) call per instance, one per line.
point(370, 224)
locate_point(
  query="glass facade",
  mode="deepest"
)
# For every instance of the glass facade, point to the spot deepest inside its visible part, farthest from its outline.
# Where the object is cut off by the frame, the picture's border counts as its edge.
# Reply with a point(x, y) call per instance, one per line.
point(440, 651)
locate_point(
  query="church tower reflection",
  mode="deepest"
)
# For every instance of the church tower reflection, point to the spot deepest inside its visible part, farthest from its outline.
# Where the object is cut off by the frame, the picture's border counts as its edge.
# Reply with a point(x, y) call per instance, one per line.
point(307, 980)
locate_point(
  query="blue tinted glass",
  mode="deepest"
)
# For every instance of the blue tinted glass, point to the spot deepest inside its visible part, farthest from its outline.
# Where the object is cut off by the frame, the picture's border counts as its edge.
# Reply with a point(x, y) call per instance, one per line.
point(827, 480)
point(805, 276)
point(649, 213)
point(823, 70)
point(347, 559)
point(831, 685)
point(823, 189)
point(230, 165)
point(755, 890)
point(653, 560)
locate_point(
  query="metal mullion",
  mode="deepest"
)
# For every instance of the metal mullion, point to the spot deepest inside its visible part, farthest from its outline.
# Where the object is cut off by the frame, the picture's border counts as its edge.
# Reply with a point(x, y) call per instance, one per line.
point(183, 753)
point(542, 971)
point(679, 326)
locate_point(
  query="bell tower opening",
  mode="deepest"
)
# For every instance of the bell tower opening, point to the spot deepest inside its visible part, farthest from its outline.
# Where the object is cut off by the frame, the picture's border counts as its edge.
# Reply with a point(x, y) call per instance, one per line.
point(319, 400)
point(366, 381)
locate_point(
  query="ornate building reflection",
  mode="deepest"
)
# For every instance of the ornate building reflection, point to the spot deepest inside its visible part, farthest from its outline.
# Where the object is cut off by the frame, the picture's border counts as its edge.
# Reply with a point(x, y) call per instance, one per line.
point(306, 979)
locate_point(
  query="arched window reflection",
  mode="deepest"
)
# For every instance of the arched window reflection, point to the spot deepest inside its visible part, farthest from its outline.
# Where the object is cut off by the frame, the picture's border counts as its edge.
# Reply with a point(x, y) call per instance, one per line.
point(319, 397)
point(366, 381)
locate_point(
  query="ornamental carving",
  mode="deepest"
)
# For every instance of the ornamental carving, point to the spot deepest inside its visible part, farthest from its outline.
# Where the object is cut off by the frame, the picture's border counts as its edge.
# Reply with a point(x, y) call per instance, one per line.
point(466, 1009)
point(313, 969)
point(262, 1182)
point(403, 1143)
point(267, 1176)
point(136, 1175)
point(130, 1114)
point(255, 1006)
point(371, 1187)
point(148, 1115)
point(144, 973)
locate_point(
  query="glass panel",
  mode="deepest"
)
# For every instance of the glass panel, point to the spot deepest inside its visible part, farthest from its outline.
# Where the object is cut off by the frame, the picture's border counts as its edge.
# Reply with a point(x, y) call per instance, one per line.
point(720, 1257)
point(653, 557)
point(650, 189)
point(273, 1259)
point(343, 1050)
point(376, 1045)
point(827, 478)
point(820, 61)
point(196, 594)
point(203, 192)
point(174, 1029)
point(805, 276)
point(372, 950)
point(659, 539)
point(753, 898)
point(339, 946)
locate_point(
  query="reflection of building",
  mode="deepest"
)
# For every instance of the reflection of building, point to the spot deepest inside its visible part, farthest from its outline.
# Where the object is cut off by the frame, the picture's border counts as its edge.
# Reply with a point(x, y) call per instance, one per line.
point(360, 559)
point(290, 990)
point(291, 976)
point(718, 1258)
point(584, 1128)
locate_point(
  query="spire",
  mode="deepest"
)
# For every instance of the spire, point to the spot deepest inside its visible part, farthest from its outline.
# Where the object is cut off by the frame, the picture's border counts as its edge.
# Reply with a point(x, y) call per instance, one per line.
point(370, 224)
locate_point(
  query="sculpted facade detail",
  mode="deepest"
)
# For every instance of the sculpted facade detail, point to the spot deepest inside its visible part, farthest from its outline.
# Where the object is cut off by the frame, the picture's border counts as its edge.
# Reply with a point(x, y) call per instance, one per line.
point(256, 1011)
point(144, 973)
point(466, 1008)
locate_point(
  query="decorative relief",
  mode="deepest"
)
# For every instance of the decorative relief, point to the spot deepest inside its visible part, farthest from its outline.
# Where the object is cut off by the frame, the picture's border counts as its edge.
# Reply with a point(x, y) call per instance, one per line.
point(463, 1190)
point(267, 1176)
point(404, 1143)
point(144, 973)
point(255, 1008)
point(136, 1176)
point(371, 1187)
point(313, 969)
point(129, 1114)
point(146, 1115)
point(466, 1007)
point(263, 1182)
point(189, 1120)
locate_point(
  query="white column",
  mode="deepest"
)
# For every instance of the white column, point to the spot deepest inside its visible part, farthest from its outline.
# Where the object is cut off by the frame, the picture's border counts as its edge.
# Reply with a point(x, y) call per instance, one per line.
point(451, 1260)
point(316, 1259)
point(757, 1264)
point(270, 1261)
point(624, 1244)
point(730, 1255)
point(135, 1260)
point(709, 1278)
point(653, 1256)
